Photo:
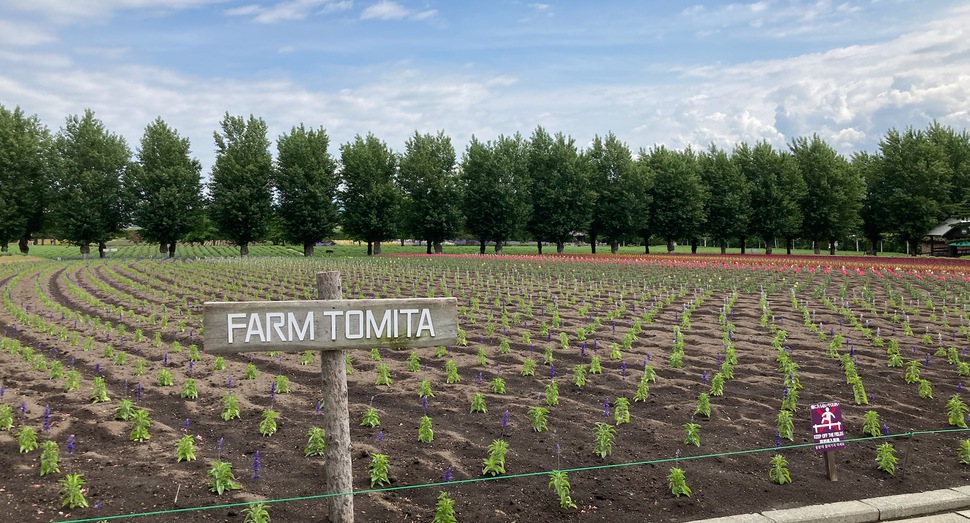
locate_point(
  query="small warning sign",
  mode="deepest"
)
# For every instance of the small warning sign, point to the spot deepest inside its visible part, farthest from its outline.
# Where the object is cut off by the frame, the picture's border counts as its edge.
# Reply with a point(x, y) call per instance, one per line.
point(827, 430)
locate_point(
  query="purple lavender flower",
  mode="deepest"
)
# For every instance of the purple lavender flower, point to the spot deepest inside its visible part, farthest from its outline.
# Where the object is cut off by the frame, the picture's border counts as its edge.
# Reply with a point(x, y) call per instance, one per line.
point(613, 325)
point(190, 366)
point(505, 420)
point(23, 408)
point(380, 439)
point(70, 444)
point(229, 382)
point(778, 438)
point(704, 377)
point(885, 429)
point(623, 368)
point(97, 368)
point(479, 378)
point(552, 370)
point(317, 408)
point(3, 388)
point(186, 424)
point(165, 360)
point(138, 390)
point(960, 387)
point(47, 418)
point(97, 505)
point(677, 454)
point(219, 444)
point(558, 451)
point(447, 475)
point(256, 465)
point(582, 349)
point(926, 361)
point(424, 403)
point(606, 408)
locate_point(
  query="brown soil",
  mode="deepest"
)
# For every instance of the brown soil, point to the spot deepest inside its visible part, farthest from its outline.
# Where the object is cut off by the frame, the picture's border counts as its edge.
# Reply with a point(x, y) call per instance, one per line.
point(125, 477)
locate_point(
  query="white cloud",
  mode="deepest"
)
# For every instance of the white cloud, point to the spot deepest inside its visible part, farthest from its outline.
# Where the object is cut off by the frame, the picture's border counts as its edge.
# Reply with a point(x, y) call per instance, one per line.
point(66, 12)
point(290, 10)
point(384, 10)
point(22, 35)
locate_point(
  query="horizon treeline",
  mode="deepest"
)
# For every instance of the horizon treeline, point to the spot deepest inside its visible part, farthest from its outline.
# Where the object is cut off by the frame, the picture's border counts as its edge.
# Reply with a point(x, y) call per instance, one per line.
point(84, 184)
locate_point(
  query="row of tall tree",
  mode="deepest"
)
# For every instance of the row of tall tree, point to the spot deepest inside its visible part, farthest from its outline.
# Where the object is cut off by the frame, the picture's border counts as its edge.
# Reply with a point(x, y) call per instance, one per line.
point(83, 184)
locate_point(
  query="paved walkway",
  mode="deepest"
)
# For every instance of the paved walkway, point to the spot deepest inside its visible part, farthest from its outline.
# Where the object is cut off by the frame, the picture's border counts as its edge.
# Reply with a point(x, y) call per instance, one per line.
point(936, 506)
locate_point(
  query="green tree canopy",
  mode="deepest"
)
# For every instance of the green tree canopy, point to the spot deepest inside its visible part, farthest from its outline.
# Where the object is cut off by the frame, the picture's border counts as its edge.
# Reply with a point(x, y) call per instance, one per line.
point(618, 203)
point(678, 192)
point(369, 195)
point(241, 186)
point(495, 182)
point(432, 194)
point(306, 180)
point(24, 176)
point(91, 205)
point(165, 185)
point(559, 189)
point(776, 189)
point(728, 209)
point(833, 195)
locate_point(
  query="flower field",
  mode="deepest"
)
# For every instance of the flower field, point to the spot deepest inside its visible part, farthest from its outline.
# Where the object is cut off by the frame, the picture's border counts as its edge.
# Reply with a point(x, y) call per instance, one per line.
point(586, 389)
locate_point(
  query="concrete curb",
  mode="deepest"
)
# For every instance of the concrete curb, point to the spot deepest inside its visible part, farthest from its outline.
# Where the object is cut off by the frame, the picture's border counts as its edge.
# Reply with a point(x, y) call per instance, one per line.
point(885, 508)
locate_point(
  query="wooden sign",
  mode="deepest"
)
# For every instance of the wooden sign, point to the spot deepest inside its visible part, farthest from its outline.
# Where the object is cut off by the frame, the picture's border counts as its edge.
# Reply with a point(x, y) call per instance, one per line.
point(252, 326)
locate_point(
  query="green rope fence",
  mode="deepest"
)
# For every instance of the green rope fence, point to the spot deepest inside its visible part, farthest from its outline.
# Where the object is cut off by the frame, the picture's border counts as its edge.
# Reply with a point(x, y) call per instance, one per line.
point(505, 477)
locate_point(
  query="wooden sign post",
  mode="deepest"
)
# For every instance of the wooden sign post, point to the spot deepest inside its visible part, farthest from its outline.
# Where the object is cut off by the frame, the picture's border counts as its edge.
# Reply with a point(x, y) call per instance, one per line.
point(330, 325)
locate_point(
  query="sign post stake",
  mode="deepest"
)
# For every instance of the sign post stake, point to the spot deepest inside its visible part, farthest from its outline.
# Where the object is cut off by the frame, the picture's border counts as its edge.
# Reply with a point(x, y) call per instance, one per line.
point(338, 474)
point(830, 466)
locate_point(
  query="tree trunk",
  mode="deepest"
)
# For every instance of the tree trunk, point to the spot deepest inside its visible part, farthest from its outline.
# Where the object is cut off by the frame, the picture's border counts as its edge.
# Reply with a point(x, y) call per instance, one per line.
point(85, 251)
point(768, 243)
point(402, 242)
point(4, 247)
point(832, 247)
point(499, 244)
point(171, 250)
point(670, 245)
point(427, 244)
point(539, 245)
point(592, 244)
point(744, 243)
point(646, 244)
point(560, 246)
point(101, 248)
point(25, 244)
point(244, 249)
point(162, 248)
point(308, 249)
point(723, 244)
point(481, 246)
point(693, 245)
point(377, 248)
point(614, 247)
point(370, 248)
point(438, 249)
point(815, 247)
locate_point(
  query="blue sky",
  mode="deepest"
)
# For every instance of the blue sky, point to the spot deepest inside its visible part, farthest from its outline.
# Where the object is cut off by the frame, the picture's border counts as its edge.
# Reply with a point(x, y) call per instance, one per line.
point(652, 72)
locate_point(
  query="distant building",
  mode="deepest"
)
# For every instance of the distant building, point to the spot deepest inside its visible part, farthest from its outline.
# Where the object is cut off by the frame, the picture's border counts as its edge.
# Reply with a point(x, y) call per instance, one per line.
point(950, 238)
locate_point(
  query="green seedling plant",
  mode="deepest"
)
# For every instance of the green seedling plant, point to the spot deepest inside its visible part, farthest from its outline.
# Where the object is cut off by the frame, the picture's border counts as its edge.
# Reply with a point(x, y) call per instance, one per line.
point(48, 458)
point(481, 357)
point(306, 357)
point(643, 389)
point(444, 510)
point(552, 394)
point(528, 367)
point(164, 378)
point(6, 417)
point(72, 496)
point(649, 374)
point(221, 478)
point(497, 386)
point(539, 417)
point(230, 407)
point(125, 410)
point(250, 373)
point(494, 464)
point(378, 470)
point(886, 458)
point(621, 411)
point(370, 418)
point(27, 439)
point(425, 433)
point(189, 391)
point(413, 362)
point(348, 364)
point(267, 425)
point(925, 389)
point(282, 384)
point(956, 412)
point(139, 426)
point(559, 483)
point(315, 444)
point(424, 389)
point(912, 371)
point(451, 372)
point(72, 380)
point(785, 425)
point(256, 514)
point(579, 375)
point(547, 356)
point(383, 375)
point(603, 435)
point(441, 351)
point(692, 434)
point(703, 405)
point(595, 367)
point(871, 424)
point(678, 482)
point(185, 450)
point(779, 470)
point(717, 385)
point(219, 364)
point(478, 403)
point(99, 390)
point(375, 354)
point(964, 451)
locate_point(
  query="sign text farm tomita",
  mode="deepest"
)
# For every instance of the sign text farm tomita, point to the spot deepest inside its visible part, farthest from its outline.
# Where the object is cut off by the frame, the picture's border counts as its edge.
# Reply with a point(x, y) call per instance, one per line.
point(329, 324)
